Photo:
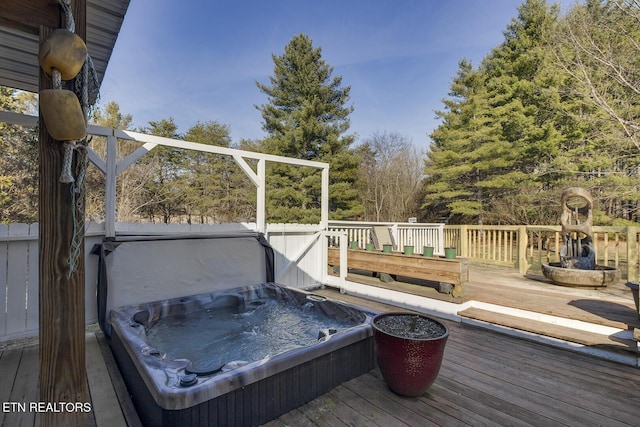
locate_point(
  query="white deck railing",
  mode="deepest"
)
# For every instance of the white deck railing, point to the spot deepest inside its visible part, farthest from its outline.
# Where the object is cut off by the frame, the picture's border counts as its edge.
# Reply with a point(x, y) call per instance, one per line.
point(417, 235)
point(19, 278)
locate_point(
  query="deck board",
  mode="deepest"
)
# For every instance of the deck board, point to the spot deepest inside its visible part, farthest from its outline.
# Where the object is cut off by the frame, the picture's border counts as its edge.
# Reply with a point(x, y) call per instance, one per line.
point(563, 401)
point(472, 404)
point(19, 367)
point(350, 410)
point(25, 388)
point(106, 408)
point(119, 387)
point(9, 361)
point(556, 331)
point(408, 410)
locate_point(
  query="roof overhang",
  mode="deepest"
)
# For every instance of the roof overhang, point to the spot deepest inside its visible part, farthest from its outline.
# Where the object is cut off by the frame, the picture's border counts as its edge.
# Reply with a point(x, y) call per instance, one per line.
point(20, 23)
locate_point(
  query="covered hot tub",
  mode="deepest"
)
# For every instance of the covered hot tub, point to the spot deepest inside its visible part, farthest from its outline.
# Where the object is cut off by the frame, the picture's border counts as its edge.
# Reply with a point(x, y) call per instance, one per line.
point(202, 335)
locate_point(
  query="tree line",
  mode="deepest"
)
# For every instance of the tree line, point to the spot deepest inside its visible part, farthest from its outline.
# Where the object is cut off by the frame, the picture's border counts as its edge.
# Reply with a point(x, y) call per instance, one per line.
point(556, 104)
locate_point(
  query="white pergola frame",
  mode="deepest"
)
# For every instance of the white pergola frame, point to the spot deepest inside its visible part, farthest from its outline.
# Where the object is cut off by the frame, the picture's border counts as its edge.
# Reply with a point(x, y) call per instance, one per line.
point(112, 168)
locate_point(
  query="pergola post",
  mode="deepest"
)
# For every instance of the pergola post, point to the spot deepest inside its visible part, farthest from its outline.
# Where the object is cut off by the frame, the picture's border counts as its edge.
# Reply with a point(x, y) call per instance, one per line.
point(62, 323)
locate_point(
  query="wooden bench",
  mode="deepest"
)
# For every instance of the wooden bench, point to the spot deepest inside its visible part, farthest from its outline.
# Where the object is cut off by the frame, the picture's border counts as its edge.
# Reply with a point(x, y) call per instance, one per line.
point(435, 269)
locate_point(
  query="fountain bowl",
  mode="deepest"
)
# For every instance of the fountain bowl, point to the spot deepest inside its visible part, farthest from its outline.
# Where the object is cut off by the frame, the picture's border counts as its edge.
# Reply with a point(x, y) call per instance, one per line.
point(599, 278)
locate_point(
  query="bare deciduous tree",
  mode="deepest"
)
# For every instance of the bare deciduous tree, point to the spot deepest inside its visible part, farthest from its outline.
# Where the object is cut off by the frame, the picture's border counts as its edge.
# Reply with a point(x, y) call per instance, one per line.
point(598, 45)
point(391, 171)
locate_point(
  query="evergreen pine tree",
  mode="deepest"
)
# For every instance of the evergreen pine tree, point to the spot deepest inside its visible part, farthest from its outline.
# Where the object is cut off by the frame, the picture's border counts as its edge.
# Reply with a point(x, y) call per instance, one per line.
point(216, 189)
point(163, 192)
point(306, 117)
point(454, 161)
point(503, 121)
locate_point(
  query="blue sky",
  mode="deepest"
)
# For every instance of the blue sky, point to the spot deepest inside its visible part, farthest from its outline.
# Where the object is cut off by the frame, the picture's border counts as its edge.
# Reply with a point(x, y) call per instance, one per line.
point(198, 60)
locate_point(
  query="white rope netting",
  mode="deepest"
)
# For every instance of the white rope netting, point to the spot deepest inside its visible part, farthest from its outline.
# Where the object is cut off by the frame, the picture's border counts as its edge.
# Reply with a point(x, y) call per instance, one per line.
point(86, 89)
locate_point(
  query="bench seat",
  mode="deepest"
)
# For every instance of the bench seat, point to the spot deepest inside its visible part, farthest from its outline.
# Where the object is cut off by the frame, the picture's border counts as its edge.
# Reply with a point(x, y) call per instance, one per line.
point(435, 269)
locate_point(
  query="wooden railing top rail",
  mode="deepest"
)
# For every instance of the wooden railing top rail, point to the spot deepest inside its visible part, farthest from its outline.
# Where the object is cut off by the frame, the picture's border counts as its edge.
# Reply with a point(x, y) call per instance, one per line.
point(364, 224)
point(596, 228)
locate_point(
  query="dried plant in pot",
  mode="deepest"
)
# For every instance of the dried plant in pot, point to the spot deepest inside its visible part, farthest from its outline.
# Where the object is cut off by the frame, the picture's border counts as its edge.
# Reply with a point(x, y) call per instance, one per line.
point(409, 351)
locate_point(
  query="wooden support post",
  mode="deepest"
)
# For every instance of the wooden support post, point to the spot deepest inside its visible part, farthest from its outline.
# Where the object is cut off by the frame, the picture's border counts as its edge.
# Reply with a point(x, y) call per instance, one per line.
point(62, 333)
point(523, 264)
point(463, 249)
point(632, 254)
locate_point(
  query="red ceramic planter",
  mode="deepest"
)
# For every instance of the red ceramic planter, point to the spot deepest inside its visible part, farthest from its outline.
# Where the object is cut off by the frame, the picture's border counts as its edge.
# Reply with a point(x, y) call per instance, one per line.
point(408, 365)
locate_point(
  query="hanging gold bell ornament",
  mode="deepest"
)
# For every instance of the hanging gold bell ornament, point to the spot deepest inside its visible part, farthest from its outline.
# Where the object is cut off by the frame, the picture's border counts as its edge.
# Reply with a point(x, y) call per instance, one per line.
point(62, 114)
point(63, 50)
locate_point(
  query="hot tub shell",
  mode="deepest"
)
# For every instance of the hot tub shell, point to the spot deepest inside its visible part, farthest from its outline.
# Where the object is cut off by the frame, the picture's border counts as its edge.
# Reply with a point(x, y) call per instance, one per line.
point(247, 396)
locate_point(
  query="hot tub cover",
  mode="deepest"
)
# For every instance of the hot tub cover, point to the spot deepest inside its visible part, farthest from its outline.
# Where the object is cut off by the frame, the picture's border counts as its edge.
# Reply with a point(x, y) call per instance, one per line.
point(136, 270)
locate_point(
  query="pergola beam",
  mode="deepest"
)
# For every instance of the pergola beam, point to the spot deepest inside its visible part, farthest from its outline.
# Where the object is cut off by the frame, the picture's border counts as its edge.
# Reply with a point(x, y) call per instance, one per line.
point(29, 16)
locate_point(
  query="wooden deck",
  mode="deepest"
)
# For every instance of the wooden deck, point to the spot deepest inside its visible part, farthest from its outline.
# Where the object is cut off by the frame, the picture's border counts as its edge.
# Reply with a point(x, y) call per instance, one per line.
point(111, 405)
point(487, 378)
point(598, 310)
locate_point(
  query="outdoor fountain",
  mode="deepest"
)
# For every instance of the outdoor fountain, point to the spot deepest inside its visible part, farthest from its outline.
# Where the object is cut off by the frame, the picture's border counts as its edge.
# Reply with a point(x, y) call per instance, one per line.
point(577, 266)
